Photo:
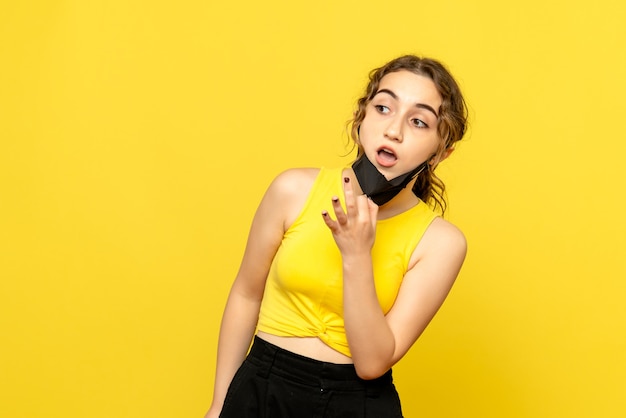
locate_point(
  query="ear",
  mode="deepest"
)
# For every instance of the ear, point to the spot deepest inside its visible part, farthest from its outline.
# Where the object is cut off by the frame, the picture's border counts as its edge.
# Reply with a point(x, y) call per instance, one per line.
point(446, 154)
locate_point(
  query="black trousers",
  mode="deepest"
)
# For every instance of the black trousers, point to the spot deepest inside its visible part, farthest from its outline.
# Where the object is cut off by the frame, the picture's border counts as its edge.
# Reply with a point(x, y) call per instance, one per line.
point(276, 383)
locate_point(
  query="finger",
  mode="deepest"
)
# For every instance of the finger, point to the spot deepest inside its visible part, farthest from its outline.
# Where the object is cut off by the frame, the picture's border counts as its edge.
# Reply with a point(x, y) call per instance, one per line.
point(340, 215)
point(330, 223)
point(363, 208)
point(373, 210)
point(351, 204)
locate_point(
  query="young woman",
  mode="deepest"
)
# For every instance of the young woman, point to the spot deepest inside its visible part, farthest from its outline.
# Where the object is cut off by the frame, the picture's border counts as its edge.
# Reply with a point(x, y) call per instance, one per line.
point(344, 268)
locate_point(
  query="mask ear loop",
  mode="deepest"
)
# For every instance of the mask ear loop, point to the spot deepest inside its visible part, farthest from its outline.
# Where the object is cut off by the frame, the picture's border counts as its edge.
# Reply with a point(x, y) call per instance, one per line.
point(358, 142)
point(425, 166)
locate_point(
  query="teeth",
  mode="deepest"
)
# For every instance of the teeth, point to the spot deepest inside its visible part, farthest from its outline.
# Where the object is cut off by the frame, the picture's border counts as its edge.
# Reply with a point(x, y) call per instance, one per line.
point(386, 151)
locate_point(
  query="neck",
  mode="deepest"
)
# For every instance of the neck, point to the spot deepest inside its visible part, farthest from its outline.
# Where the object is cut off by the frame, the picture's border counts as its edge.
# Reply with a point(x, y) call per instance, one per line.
point(401, 202)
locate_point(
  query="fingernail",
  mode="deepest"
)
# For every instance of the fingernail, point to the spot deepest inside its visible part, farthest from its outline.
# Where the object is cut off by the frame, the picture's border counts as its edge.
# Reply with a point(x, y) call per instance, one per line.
point(335, 199)
point(324, 213)
point(346, 179)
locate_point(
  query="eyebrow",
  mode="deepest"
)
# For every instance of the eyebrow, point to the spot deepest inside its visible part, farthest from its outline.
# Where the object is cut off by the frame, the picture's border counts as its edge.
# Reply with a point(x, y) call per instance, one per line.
point(420, 105)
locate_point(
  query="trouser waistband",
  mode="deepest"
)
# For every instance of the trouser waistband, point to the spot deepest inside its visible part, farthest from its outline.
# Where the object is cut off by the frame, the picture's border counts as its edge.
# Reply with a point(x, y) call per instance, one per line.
point(273, 359)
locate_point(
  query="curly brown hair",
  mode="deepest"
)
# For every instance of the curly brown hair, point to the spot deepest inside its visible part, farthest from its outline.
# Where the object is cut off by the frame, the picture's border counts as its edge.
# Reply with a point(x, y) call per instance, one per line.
point(451, 124)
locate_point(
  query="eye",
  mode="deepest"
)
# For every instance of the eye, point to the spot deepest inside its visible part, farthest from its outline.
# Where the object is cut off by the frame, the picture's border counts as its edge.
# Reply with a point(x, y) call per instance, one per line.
point(419, 123)
point(382, 109)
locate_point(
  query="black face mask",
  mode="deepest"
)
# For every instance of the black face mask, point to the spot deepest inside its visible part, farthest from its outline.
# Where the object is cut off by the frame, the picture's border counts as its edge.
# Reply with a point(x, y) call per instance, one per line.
point(376, 186)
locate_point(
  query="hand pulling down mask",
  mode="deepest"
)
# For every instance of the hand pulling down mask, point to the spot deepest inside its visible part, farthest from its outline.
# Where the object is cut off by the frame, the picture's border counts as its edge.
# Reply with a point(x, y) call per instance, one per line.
point(376, 186)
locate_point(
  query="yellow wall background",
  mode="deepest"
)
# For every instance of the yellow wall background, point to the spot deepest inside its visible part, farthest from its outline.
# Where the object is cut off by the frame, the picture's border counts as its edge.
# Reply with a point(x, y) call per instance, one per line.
point(137, 137)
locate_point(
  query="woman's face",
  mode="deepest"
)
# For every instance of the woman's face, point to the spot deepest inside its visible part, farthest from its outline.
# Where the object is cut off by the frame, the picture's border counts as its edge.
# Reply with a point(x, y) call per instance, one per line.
point(399, 131)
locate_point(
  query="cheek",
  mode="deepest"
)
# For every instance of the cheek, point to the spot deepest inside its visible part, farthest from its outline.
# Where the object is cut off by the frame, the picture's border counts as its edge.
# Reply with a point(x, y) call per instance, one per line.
point(433, 147)
point(370, 123)
point(438, 152)
point(435, 140)
point(365, 130)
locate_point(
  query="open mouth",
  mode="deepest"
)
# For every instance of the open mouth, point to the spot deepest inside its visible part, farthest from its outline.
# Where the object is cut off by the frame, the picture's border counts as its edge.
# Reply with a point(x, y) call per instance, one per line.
point(386, 157)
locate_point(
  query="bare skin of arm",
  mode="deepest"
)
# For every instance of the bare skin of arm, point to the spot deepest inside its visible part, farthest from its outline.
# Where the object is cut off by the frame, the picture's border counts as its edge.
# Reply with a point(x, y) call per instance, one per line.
point(278, 209)
point(378, 341)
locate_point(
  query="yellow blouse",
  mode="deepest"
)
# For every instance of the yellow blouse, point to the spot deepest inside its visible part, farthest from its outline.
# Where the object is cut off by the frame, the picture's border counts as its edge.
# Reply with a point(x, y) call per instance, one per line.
point(304, 292)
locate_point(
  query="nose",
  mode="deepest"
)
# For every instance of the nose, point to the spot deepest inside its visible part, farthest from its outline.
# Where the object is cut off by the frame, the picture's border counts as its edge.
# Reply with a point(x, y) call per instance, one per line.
point(394, 130)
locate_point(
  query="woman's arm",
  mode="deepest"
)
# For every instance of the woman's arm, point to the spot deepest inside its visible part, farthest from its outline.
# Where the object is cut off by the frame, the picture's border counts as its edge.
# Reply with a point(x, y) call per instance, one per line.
point(278, 209)
point(378, 341)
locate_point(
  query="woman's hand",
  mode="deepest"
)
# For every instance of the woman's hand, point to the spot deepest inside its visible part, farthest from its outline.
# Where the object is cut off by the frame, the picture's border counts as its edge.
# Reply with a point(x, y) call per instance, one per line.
point(354, 230)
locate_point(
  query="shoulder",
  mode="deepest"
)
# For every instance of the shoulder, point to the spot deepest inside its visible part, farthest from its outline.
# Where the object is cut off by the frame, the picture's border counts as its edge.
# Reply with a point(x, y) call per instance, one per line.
point(443, 242)
point(445, 236)
point(289, 191)
point(294, 180)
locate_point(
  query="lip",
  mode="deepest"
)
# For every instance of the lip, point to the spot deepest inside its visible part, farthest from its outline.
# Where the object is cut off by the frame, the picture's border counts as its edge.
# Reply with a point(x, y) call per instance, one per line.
point(386, 162)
